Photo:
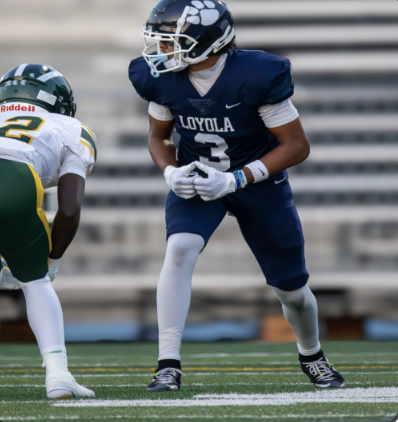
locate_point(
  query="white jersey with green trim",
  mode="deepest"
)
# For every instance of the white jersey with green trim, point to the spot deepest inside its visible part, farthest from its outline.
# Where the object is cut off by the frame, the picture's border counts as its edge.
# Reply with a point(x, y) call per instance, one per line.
point(51, 143)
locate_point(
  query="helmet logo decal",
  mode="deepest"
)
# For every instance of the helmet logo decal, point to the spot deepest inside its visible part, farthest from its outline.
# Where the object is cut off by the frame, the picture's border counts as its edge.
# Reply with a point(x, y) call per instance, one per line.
point(47, 97)
point(32, 75)
point(203, 12)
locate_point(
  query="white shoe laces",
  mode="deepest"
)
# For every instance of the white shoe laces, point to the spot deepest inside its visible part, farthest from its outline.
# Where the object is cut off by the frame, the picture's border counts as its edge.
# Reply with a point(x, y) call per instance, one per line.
point(167, 375)
point(323, 370)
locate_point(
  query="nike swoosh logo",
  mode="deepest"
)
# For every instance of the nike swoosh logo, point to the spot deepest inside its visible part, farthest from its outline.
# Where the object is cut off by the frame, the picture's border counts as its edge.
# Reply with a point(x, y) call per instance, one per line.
point(232, 106)
point(280, 181)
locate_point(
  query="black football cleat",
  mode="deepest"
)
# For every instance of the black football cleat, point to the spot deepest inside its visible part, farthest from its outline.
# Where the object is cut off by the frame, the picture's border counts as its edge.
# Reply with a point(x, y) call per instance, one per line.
point(168, 379)
point(321, 372)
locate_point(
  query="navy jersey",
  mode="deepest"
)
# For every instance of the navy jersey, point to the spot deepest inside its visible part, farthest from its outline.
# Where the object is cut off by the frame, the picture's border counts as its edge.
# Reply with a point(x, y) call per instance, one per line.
point(223, 129)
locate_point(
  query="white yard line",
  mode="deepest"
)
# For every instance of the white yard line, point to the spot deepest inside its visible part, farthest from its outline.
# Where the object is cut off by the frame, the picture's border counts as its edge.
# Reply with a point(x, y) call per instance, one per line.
point(347, 395)
point(86, 385)
point(224, 417)
point(24, 402)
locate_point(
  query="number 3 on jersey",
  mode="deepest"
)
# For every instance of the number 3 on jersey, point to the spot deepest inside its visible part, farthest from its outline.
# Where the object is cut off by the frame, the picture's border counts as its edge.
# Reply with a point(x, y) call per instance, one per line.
point(217, 152)
point(21, 124)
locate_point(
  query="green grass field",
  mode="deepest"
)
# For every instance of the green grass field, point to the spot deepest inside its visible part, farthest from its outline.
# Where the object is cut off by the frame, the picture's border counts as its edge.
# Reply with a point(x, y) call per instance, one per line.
point(225, 381)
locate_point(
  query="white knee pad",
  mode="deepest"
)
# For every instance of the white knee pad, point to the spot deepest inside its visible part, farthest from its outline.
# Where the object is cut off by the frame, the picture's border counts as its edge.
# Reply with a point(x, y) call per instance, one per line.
point(184, 248)
point(298, 299)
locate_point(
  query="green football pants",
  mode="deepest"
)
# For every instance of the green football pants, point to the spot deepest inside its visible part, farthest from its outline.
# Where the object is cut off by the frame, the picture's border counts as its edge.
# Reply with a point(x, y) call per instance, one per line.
point(25, 238)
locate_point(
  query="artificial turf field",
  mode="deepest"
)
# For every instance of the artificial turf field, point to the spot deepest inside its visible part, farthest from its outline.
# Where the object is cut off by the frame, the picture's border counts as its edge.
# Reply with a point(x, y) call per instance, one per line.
point(225, 381)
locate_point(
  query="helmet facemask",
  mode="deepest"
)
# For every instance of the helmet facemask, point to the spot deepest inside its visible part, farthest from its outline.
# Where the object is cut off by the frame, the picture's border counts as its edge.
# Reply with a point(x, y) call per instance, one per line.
point(152, 52)
point(153, 55)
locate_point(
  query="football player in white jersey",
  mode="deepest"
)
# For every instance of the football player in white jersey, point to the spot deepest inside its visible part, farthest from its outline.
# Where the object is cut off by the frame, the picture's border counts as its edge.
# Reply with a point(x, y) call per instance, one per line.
point(41, 145)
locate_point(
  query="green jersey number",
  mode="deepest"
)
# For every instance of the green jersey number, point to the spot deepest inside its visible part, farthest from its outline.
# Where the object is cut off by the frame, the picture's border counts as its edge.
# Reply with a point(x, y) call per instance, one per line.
point(21, 124)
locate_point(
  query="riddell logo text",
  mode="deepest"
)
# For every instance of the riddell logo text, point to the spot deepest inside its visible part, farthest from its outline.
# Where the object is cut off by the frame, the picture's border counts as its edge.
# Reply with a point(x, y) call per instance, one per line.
point(17, 107)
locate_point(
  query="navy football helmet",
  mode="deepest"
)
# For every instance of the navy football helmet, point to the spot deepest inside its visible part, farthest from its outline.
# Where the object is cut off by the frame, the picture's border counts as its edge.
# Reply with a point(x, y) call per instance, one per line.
point(196, 28)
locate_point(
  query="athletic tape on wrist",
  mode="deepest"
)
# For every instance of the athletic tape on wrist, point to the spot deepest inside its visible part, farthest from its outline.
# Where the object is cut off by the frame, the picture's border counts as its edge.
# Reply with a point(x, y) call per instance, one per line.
point(260, 172)
point(240, 177)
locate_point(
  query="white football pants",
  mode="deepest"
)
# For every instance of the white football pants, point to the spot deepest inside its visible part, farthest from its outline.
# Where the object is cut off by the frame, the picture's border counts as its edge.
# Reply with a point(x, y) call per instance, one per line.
point(174, 298)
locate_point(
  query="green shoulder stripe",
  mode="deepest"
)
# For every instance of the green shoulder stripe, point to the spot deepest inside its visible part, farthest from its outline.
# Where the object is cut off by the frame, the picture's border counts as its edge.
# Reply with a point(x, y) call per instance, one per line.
point(88, 136)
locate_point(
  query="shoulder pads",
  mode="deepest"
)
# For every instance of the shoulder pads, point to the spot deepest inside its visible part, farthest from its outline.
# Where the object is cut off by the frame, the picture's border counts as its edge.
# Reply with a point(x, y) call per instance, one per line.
point(148, 87)
point(269, 78)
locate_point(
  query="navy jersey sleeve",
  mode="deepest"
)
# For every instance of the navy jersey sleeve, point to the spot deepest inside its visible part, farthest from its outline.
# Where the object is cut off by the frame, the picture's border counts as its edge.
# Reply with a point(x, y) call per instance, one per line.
point(282, 86)
point(268, 78)
point(148, 87)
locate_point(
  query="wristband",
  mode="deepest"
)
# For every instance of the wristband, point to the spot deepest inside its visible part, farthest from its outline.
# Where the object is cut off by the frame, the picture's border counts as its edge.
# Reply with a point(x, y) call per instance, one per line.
point(259, 171)
point(240, 178)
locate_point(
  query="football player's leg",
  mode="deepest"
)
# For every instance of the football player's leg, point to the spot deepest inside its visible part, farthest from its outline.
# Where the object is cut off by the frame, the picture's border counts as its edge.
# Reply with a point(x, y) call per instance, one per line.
point(271, 227)
point(46, 320)
point(190, 224)
point(280, 253)
point(174, 292)
point(301, 311)
point(25, 245)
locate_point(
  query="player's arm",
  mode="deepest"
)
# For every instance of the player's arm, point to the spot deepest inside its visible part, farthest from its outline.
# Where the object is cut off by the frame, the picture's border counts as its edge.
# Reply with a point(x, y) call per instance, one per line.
point(77, 162)
point(293, 149)
point(160, 143)
point(163, 153)
point(66, 222)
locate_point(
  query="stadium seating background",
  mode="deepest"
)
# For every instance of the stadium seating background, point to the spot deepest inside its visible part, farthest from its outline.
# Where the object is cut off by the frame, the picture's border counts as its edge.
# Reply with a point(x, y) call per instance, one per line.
point(345, 61)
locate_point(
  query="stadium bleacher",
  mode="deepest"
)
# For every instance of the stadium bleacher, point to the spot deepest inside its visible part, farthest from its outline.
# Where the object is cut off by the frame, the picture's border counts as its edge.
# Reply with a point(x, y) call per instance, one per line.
point(346, 94)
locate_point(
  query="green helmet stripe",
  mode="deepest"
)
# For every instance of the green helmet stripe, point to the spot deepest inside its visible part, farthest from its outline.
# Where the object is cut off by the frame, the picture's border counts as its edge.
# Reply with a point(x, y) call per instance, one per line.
point(36, 70)
point(20, 70)
point(87, 137)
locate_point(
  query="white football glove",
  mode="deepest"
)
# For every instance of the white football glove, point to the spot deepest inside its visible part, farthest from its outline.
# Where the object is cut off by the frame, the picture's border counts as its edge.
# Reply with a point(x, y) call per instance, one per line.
point(217, 185)
point(179, 181)
point(53, 265)
point(7, 280)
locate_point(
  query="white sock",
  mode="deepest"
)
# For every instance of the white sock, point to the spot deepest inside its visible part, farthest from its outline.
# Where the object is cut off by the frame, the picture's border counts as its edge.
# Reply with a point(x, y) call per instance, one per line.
point(174, 291)
point(301, 311)
point(45, 315)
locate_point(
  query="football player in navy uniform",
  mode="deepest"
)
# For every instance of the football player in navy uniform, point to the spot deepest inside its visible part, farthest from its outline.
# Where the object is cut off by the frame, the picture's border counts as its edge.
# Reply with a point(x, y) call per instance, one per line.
point(240, 132)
